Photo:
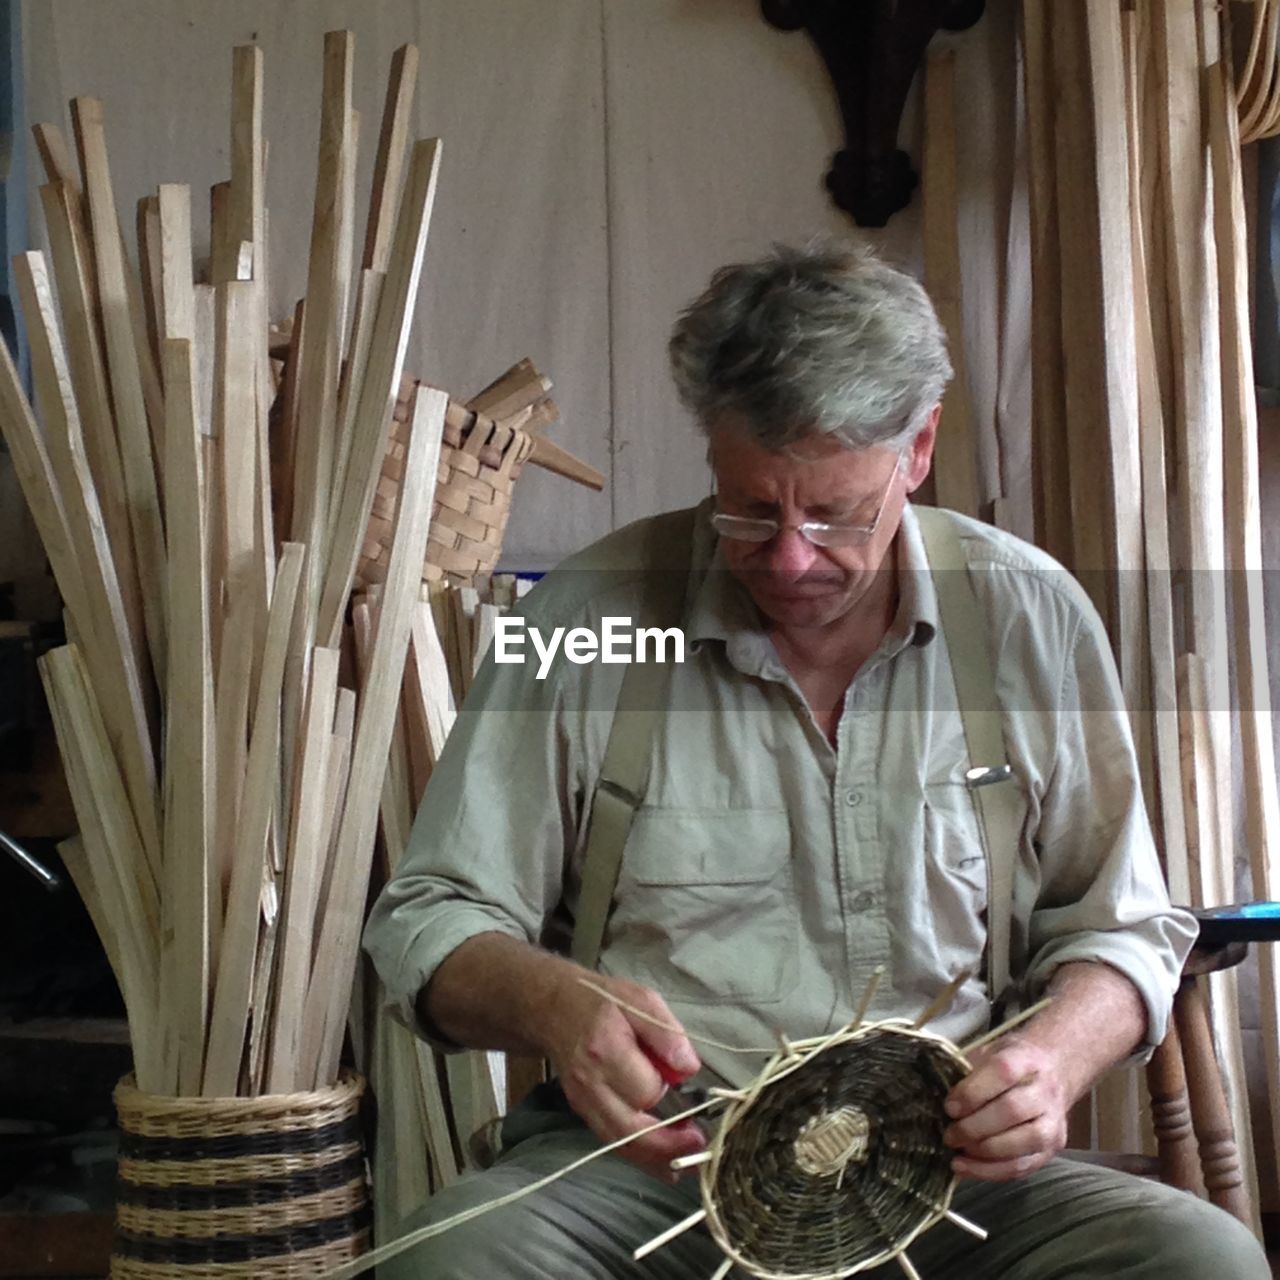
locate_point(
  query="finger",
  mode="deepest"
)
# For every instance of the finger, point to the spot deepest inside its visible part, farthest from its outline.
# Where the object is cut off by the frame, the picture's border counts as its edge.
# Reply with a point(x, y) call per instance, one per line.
point(999, 1170)
point(611, 1118)
point(632, 1075)
point(1013, 1108)
point(655, 1151)
point(611, 1059)
point(670, 1046)
point(1033, 1138)
point(1007, 1069)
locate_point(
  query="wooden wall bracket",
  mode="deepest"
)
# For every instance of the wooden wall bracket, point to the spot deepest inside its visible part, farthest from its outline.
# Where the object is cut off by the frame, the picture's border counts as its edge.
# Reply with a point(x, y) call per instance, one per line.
point(871, 49)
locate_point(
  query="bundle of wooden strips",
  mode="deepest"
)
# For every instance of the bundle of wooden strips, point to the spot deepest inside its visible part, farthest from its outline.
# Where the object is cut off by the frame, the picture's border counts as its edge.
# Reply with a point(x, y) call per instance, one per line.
point(1145, 452)
point(431, 1108)
point(226, 772)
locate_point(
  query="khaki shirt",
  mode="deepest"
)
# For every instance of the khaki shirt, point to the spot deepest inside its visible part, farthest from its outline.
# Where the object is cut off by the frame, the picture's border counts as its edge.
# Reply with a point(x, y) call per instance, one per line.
point(769, 873)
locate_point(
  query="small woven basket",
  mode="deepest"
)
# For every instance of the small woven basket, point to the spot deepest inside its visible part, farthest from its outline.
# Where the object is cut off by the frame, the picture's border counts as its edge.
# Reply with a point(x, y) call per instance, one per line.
point(211, 1188)
point(835, 1166)
point(480, 462)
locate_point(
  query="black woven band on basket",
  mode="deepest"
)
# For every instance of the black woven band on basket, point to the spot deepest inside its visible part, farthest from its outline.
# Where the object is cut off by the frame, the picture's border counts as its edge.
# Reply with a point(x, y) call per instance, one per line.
point(186, 1252)
point(302, 1141)
point(263, 1188)
point(840, 1162)
point(190, 1197)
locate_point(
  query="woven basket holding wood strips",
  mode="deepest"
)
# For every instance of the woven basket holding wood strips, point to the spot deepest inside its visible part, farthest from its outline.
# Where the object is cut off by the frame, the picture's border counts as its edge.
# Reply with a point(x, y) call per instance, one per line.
point(272, 1187)
point(835, 1166)
point(480, 462)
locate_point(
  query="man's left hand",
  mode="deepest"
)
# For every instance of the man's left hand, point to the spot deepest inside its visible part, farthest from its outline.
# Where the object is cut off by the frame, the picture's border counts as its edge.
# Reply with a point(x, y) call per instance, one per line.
point(1009, 1115)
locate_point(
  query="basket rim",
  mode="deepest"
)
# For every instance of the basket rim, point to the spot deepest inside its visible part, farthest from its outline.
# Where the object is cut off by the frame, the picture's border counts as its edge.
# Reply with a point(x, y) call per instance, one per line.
point(348, 1088)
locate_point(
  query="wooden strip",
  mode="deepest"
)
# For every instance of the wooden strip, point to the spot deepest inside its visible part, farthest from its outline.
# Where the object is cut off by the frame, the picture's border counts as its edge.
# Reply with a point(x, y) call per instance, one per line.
point(77, 293)
point(75, 858)
point(353, 372)
point(1167, 809)
point(1244, 548)
point(148, 371)
point(224, 252)
point(235, 424)
point(346, 245)
point(245, 207)
point(388, 165)
point(106, 827)
point(1199, 549)
point(149, 265)
point(178, 302)
point(39, 487)
point(123, 365)
point(303, 867)
point(329, 993)
point(955, 467)
point(263, 981)
point(233, 680)
point(431, 677)
point(1049, 459)
point(551, 457)
point(55, 155)
point(189, 799)
point(521, 387)
point(381, 383)
point(103, 795)
point(233, 992)
point(344, 730)
point(101, 609)
point(318, 374)
point(397, 799)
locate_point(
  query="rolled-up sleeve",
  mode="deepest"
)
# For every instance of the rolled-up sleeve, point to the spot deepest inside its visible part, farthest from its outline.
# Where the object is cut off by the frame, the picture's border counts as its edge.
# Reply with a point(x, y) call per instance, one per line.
point(1102, 894)
point(487, 850)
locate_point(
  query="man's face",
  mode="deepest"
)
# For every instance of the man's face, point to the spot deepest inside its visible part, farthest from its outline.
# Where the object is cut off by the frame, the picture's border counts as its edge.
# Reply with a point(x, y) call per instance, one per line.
point(793, 582)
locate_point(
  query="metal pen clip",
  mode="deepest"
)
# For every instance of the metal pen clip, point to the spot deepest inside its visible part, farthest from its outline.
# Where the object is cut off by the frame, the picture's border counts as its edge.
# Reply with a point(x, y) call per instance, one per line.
point(984, 775)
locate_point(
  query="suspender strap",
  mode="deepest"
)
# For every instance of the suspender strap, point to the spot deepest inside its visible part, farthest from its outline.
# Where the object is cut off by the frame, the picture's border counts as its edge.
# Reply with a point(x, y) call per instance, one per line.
point(642, 703)
point(995, 793)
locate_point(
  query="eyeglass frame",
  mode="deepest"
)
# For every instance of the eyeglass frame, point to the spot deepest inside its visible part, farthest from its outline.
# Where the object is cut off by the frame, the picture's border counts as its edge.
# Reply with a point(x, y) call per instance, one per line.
point(847, 535)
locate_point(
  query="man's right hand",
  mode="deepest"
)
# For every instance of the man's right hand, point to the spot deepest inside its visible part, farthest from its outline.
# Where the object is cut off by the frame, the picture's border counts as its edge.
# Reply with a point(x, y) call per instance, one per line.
point(605, 1059)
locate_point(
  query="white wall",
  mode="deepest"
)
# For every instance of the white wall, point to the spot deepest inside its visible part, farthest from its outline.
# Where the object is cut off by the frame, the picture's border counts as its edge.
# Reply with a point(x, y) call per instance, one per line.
point(601, 158)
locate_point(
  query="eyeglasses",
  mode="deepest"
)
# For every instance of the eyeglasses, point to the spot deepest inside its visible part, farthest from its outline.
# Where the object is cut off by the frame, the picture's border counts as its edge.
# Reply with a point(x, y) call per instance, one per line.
point(762, 529)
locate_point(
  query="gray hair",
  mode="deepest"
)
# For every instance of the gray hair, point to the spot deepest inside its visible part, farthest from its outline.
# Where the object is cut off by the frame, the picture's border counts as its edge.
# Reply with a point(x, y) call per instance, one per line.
point(825, 339)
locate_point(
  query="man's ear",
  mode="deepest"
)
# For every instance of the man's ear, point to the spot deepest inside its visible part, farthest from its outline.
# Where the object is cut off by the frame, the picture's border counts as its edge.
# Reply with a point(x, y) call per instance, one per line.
point(919, 455)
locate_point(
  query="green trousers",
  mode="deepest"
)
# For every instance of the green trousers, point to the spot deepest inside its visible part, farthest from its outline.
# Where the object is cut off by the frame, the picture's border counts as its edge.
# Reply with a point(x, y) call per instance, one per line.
point(1069, 1221)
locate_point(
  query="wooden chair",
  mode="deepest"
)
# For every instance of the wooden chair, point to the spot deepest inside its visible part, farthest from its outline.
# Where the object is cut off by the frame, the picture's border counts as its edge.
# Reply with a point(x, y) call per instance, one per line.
point(1196, 1142)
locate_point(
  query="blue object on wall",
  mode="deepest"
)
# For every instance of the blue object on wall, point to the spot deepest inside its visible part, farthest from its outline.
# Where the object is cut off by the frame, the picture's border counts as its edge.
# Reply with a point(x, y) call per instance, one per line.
point(13, 186)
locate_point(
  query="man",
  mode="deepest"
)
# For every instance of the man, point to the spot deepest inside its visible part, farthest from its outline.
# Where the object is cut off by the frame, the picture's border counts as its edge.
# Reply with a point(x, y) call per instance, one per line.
point(805, 822)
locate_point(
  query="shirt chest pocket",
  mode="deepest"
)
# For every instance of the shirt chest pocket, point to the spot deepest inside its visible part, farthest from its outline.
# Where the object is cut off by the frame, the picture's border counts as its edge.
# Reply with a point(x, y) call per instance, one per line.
point(955, 871)
point(704, 910)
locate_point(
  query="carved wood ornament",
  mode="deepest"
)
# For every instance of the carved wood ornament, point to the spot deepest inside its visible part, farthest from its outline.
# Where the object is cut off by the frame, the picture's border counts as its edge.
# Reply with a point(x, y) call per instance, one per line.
point(872, 49)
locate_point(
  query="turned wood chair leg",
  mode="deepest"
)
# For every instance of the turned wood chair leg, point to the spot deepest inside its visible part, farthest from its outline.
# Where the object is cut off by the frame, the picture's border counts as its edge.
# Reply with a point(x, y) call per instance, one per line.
point(1171, 1115)
point(1219, 1155)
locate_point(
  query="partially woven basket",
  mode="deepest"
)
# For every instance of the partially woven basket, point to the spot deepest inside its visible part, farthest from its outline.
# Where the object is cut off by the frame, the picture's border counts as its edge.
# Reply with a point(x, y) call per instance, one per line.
point(213, 1188)
point(834, 1166)
point(480, 462)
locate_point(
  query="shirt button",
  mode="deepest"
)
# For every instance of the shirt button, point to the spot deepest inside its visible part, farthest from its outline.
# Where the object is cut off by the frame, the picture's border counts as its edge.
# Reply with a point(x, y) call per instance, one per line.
point(864, 901)
point(853, 799)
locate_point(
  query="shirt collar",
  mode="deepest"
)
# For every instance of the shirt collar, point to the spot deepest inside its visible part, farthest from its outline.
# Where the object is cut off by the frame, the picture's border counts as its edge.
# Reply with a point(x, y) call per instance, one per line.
point(719, 609)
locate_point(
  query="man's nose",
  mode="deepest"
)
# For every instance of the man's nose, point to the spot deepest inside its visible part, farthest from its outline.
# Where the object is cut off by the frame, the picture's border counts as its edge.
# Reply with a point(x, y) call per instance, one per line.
point(790, 554)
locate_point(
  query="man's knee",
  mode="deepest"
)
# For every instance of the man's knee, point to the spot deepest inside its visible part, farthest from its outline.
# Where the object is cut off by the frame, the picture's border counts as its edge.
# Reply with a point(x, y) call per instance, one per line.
point(1186, 1238)
point(496, 1243)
